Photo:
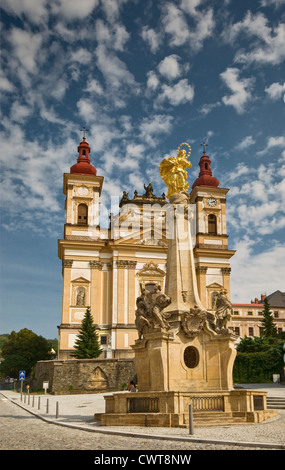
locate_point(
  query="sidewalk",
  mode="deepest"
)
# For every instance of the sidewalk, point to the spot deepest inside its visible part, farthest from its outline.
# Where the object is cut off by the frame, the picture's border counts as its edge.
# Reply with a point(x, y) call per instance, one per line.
point(77, 411)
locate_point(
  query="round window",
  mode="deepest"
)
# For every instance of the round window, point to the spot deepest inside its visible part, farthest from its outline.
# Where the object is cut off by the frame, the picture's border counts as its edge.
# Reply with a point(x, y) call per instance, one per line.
point(191, 357)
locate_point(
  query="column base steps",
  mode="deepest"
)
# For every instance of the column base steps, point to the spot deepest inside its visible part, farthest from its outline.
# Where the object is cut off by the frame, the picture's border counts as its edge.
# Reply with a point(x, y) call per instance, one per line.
point(275, 403)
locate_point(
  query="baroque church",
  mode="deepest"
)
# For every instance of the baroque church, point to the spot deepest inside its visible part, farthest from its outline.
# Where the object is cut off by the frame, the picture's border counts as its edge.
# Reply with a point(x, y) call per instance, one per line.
point(107, 269)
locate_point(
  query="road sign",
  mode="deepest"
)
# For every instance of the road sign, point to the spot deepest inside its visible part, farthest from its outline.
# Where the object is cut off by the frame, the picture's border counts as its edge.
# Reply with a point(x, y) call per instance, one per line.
point(22, 375)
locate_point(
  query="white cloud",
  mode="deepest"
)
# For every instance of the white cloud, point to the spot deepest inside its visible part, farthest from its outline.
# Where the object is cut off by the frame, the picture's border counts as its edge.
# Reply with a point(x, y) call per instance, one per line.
point(268, 44)
point(114, 69)
point(32, 183)
point(112, 8)
point(251, 25)
point(20, 112)
point(36, 12)
point(170, 67)
point(189, 6)
point(254, 273)
point(94, 86)
point(153, 126)
point(26, 47)
point(246, 142)
point(152, 81)
point(175, 25)
point(152, 38)
point(275, 90)
point(73, 9)
point(257, 201)
point(208, 107)
point(272, 142)
point(204, 29)
point(82, 56)
point(177, 94)
point(240, 88)
point(5, 84)
point(113, 36)
point(135, 150)
point(274, 3)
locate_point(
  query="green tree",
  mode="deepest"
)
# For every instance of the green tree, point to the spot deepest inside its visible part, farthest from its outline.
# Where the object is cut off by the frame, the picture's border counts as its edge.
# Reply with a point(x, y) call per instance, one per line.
point(87, 343)
point(22, 351)
point(269, 330)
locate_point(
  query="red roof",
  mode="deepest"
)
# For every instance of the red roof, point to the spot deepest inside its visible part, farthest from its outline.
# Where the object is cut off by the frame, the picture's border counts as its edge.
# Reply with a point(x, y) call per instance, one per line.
point(83, 165)
point(205, 177)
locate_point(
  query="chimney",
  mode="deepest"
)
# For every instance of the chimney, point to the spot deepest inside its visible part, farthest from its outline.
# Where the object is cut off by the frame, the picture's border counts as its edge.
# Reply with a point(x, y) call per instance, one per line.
point(262, 297)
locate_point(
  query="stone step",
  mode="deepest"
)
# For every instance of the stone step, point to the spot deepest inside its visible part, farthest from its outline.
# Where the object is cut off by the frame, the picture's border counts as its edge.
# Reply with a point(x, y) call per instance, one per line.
point(212, 418)
point(276, 403)
point(275, 406)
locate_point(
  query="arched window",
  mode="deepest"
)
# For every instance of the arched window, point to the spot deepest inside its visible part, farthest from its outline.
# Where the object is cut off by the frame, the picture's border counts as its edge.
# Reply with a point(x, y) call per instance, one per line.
point(82, 214)
point(212, 224)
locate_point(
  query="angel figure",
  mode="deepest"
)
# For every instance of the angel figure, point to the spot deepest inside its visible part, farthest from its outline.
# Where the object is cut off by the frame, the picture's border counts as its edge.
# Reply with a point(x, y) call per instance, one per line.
point(173, 172)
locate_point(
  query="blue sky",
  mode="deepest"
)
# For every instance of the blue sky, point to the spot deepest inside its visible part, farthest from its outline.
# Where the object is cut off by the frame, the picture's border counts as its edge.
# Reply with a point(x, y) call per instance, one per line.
point(142, 76)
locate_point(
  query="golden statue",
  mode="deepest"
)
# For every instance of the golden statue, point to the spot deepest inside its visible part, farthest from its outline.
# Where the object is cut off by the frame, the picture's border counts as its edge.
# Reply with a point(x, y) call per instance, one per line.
point(173, 171)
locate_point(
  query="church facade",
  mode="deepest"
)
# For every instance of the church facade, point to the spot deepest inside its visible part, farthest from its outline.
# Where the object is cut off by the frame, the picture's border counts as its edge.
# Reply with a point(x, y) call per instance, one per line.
point(107, 269)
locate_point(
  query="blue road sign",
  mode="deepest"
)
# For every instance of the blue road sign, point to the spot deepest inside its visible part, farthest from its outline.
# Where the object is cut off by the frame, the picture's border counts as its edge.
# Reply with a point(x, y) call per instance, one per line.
point(22, 375)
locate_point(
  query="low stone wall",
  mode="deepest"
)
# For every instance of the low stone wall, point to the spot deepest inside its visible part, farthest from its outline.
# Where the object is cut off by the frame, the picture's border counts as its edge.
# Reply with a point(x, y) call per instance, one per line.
point(83, 375)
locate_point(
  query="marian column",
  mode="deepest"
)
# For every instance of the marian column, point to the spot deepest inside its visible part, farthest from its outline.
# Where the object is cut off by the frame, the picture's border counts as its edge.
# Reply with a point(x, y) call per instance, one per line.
point(181, 346)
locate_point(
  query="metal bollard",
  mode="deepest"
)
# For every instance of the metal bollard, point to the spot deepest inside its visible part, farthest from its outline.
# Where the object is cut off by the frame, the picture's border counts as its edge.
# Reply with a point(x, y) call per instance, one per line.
point(33, 402)
point(191, 427)
point(47, 409)
point(57, 410)
point(39, 403)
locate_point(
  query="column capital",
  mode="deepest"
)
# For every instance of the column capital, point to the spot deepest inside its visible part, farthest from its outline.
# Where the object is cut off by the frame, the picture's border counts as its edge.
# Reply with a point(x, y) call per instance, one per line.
point(96, 265)
point(128, 264)
point(226, 271)
point(201, 269)
point(67, 263)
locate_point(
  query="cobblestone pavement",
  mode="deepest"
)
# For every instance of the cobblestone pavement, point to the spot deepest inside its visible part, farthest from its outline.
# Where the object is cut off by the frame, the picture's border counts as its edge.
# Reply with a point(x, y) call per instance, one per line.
point(20, 430)
point(23, 431)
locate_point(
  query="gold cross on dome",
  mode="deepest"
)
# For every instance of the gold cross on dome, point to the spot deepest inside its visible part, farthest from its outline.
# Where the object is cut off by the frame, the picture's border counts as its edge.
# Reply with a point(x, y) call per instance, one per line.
point(84, 132)
point(204, 145)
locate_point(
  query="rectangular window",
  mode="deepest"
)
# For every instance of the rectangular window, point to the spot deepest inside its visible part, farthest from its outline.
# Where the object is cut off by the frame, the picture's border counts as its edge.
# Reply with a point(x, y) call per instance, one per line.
point(250, 331)
point(103, 339)
point(276, 315)
point(236, 330)
point(236, 312)
point(249, 313)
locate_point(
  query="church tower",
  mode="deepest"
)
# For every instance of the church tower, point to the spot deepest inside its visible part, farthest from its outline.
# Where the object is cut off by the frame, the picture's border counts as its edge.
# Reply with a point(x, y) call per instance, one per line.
point(211, 251)
point(82, 188)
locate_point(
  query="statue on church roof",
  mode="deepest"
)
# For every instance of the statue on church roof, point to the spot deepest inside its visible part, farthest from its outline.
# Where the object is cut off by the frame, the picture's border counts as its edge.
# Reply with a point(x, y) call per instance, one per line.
point(173, 171)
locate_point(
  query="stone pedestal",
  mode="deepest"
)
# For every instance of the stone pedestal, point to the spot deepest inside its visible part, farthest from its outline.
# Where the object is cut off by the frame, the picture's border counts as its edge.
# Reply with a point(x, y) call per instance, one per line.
point(171, 409)
point(169, 361)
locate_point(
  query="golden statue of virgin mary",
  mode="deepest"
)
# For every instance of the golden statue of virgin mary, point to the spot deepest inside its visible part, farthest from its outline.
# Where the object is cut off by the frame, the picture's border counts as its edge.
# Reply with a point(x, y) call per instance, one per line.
point(173, 171)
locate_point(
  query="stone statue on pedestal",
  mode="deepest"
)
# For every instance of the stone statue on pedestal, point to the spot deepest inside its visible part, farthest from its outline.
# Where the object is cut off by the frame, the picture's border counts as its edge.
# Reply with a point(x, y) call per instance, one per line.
point(149, 312)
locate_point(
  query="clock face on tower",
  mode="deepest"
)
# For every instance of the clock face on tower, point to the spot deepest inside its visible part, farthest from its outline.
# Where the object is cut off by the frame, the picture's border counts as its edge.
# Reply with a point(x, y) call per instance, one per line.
point(211, 202)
